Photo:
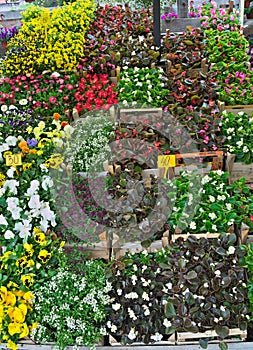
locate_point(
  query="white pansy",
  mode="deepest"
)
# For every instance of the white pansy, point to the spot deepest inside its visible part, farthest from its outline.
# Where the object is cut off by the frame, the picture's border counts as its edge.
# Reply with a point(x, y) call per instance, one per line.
point(24, 228)
point(47, 182)
point(34, 202)
point(9, 234)
point(116, 307)
point(11, 140)
point(216, 320)
point(34, 186)
point(10, 172)
point(3, 220)
point(11, 185)
point(220, 172)
point(166, 323)
point(231, 250)
point(43, 168)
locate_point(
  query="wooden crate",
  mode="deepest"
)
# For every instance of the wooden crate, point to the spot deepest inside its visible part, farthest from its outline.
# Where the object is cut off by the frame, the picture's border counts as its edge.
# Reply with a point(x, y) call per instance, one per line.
point(236, 108)
point(175, 236)
point(171, 341)
point(100, 250)
point(119, 251)
point(235, 334)
point(240, 169)
point(131, 115)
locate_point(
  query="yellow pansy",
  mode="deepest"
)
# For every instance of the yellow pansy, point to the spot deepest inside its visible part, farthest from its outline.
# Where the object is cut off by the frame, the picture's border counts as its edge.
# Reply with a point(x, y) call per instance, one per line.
point(27, 280)
point(24, 331)
point(14, 328)
point(10, 299)
point(29, 249)
point(28, 296)
point(44, 256)
point(3, 294)
point(11, 345)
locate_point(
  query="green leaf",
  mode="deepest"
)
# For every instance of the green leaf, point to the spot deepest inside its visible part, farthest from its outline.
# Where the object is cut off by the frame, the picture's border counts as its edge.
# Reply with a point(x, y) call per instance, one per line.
point(170, 310)
point(222, 331)
point(223, 346)
point(191, 275)
point(203, 343)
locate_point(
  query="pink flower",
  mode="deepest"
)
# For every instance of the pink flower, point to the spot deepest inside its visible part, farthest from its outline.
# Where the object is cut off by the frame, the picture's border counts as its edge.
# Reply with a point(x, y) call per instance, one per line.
point(219, 27)
point(52, 99)
point(69, 86)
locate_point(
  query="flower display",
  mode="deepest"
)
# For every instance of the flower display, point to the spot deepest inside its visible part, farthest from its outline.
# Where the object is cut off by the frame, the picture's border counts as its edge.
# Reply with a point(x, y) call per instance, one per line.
point(169, 16)
point(6, 33)
point(237, 130)
point(70, 308)
point(144, 86)
point(55, 39)
point(95, 92)
point(42, 94)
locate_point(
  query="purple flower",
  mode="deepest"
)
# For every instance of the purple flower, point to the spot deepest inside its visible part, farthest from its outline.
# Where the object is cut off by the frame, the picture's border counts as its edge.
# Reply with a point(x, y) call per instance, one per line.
point(32, 143)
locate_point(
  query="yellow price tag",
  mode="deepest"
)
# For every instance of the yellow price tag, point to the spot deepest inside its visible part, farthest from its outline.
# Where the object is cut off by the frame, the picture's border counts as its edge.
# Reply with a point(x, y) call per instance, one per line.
point(13, 159)
point(166, 161)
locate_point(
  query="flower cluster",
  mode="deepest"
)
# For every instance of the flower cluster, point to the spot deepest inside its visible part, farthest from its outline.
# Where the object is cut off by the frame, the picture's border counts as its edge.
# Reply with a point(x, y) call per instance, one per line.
point(6, 33)
point(24, 266)
point(212, 206)
point(184, 288)
point(144, 86)
point(70, 308)
point(49, 41)
point(169, 16)
point(95, 92)
point(43, 94)
point(238, 131)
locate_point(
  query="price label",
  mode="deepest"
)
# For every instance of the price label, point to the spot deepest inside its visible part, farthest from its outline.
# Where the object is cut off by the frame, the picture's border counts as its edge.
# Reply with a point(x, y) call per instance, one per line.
point(166, 161)
point(13, 159)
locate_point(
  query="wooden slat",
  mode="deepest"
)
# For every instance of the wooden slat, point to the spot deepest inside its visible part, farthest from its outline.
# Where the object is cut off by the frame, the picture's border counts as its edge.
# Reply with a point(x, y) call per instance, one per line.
point(198, 235)
point(239, 170)
point(188, 337)
point(119, 251)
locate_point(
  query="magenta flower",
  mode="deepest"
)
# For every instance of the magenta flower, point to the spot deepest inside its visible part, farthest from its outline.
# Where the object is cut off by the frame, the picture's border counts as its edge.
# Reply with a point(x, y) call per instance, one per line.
point(52, 99)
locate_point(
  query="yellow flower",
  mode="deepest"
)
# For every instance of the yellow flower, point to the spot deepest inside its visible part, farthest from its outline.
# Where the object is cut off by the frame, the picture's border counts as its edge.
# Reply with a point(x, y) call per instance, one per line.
point(12, 285)
point(6, 255)
point(40, 238)
point(27, 280)
point(10, 299)
point(24, 331)
point(29, 129)
point(3, 294)
point(34, 326)
point(44, 256)
point(40, 152)
point(29, 249)
point(14, 328)
point(27, 166)
point(11, 345)
point(28, 296)
point(62, 244)
point(42, 142)
point(2, 179)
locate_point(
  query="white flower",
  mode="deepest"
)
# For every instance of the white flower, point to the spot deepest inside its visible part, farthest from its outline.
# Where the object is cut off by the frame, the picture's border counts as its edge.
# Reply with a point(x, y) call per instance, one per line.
point(47, 182)
point(145, 296)
point(166, 323)
point(23, 102)
point(34, 186)
point(134, 279)
point(55, 75)
point(119, 291)
point(245, 149)
point(4, 108)
point(216, 320)
point(11, 107)
point(212, 199)
point(169, 285)
point(11, 185)
point(135, 267)
point(221, 198)
point(212, 216)
point(239, 143)
point(156, 337)
point(214, 228)
point(24, 228)
point(131, 314)
point(132, 334)
point(205, 179)
point(240, 113)
point(231, 250)
point(10, 172)
point(132, 295)
point(3, 220)
point(193, 225)
point(114, 328)
point(217, 273)
point(109, 324)
point(206, 285)
point(146, 310)
point(9, 234)
point(34, 202)
point(222, 308)
point(68, 130)
point(11, 140)
point(43, 168)
point(228, 206)
point(116, 307)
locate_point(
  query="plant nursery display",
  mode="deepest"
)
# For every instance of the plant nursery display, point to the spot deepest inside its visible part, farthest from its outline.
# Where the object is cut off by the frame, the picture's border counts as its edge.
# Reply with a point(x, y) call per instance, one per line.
point(120, 216)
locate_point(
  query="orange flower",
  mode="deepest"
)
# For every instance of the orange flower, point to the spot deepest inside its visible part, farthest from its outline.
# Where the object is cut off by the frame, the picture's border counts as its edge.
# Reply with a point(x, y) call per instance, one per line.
point(64, 123)
point(22, 144)
point(32, 151)
point(25, 149)
point(56, 116)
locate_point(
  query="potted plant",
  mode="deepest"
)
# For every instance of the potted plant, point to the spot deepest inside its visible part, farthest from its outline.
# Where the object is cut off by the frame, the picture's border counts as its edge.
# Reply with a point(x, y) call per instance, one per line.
point(248, 8)
point(6, 33)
